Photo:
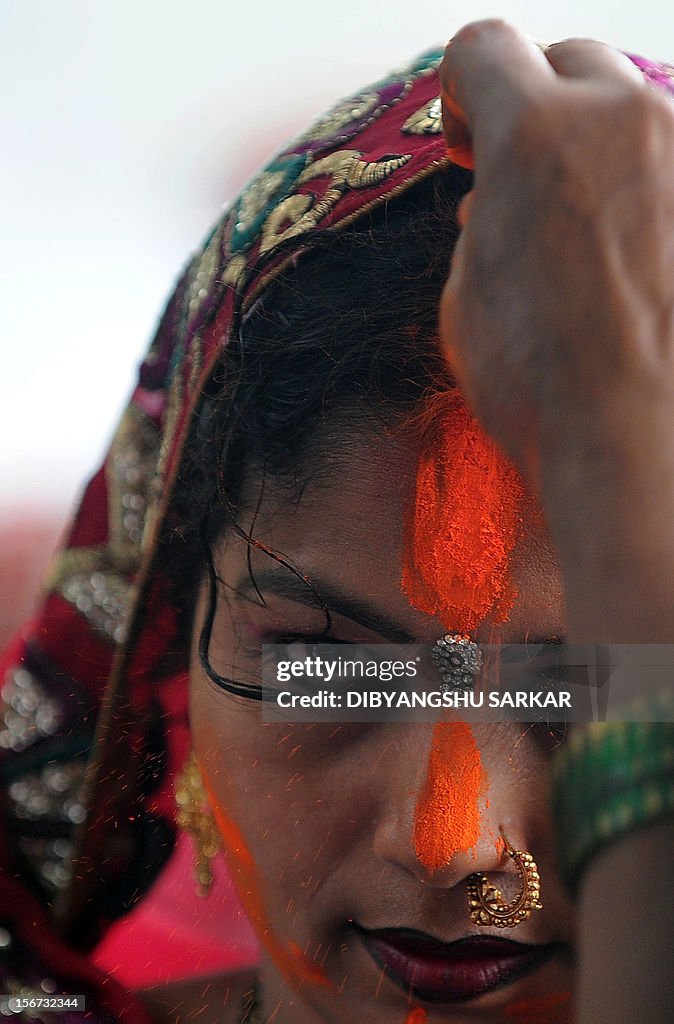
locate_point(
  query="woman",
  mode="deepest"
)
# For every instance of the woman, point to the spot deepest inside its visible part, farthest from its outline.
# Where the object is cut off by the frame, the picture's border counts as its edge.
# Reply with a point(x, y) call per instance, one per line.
point(268, 483)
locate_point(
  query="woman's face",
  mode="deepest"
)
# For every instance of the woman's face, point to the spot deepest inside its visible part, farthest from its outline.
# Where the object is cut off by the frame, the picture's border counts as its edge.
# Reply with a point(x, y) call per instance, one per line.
point(326, 813)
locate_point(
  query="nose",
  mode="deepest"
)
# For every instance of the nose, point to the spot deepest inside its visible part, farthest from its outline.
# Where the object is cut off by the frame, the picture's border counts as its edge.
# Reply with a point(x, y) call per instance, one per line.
point(443, 804)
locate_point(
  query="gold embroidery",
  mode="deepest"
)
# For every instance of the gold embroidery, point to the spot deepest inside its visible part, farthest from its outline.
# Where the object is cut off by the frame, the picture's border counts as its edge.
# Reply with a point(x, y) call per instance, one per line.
point(264, 191)
point(337, 164)
point(425, 64)
point(234, 270)
point(293, 212)
point(301, 212)
point(204, 274)
point(258, 194)
point(425, 121)
point(129, 471)
point(71, 561)
point(196, 356)
point(174, 404)
point(345, 113)
point(367, 175)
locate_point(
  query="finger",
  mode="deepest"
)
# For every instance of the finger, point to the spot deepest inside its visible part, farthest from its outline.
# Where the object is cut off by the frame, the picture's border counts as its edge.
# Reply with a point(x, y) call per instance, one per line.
point(586, 58)
point(487, 69)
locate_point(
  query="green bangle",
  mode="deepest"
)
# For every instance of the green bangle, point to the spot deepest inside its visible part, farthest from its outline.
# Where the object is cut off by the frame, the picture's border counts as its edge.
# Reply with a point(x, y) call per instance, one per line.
point(611, 778)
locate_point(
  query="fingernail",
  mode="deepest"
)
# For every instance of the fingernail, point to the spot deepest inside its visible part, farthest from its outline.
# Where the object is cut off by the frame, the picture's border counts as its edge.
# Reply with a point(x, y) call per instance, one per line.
point(455, 130)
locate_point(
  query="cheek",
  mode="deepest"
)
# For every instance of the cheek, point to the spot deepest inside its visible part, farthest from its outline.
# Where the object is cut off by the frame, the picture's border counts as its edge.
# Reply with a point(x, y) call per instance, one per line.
point(278, 830)
point(282, 790)
point(229, 740)
point(275, 787)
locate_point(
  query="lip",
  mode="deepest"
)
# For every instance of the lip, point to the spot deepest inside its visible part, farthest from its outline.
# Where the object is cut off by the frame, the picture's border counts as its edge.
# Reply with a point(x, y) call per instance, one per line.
point(451, 972)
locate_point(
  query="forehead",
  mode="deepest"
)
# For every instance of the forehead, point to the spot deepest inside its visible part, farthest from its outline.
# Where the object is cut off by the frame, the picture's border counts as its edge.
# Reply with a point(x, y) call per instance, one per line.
point(342, 520)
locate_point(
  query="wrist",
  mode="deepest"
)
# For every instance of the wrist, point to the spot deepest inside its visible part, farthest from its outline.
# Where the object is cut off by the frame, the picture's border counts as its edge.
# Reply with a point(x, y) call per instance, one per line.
point(607, 487)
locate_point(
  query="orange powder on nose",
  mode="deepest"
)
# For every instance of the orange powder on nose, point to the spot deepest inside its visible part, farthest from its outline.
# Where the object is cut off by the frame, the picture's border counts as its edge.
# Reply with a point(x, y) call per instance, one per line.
point(447, 816)
point(286, 956)
point(464, 522)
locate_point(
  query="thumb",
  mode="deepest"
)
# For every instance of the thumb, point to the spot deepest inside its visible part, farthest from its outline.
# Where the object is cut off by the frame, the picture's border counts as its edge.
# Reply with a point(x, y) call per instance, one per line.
point(487, 70)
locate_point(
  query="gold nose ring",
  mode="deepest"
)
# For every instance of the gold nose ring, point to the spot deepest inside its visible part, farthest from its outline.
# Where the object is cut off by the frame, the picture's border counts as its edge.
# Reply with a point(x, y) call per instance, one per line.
point(486, 905)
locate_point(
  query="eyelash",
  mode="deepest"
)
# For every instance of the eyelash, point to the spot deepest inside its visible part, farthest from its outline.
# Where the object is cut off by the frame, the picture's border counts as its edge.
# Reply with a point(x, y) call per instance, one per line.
point(555, 734)
point(306, 638)
point(306, 641)
point(256, 692)
point(558, 733)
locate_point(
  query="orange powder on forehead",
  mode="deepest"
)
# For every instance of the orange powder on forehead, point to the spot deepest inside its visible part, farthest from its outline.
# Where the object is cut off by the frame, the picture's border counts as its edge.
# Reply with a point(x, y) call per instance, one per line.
point(463, 523)
point(447, 818)
point(287, 957)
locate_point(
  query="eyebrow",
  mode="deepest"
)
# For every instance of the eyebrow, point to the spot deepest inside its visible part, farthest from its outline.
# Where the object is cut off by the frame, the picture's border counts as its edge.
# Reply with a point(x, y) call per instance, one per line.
point(283, 583)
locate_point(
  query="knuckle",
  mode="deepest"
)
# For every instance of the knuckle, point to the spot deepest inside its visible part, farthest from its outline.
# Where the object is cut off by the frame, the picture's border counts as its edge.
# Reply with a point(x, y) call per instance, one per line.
point(476, 31)
point(648, 118)
point(573, 44)
point(561, 48)
point(483, 25)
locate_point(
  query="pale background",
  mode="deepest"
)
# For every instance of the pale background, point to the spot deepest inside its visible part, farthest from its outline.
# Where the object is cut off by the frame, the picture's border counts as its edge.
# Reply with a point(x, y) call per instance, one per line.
point(124, 127)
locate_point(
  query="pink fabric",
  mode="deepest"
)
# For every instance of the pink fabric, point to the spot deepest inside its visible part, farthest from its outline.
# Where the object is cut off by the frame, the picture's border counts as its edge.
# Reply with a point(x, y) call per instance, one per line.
point(175, 932)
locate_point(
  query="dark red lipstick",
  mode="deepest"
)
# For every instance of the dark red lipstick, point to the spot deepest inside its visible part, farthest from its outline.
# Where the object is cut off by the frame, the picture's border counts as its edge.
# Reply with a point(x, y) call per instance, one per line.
point(450, 972)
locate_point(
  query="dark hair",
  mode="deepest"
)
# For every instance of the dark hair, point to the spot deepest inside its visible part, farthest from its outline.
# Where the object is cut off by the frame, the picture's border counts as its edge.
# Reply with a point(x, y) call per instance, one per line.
point(349, 331)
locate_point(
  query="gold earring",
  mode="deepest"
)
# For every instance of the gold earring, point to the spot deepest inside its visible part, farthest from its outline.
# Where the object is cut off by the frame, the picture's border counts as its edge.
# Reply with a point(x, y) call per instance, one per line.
point(194, 816)
point(485, 901)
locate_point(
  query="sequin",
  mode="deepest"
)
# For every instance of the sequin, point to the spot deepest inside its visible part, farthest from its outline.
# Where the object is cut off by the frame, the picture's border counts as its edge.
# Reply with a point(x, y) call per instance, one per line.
point(425, 121)
point(54, 792)
point(349, 117)
point(50, 859)
point(103, 598)
point(31, 990)
point(429, 61)
point(48, 799)
point(354, 110)
point(130, 471)
point(201, 293)
point(27, 712)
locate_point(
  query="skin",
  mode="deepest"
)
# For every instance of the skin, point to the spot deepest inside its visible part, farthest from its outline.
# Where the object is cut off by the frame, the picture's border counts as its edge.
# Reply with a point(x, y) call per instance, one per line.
point(322, 861)
point(568, 360)
point(566, 354)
